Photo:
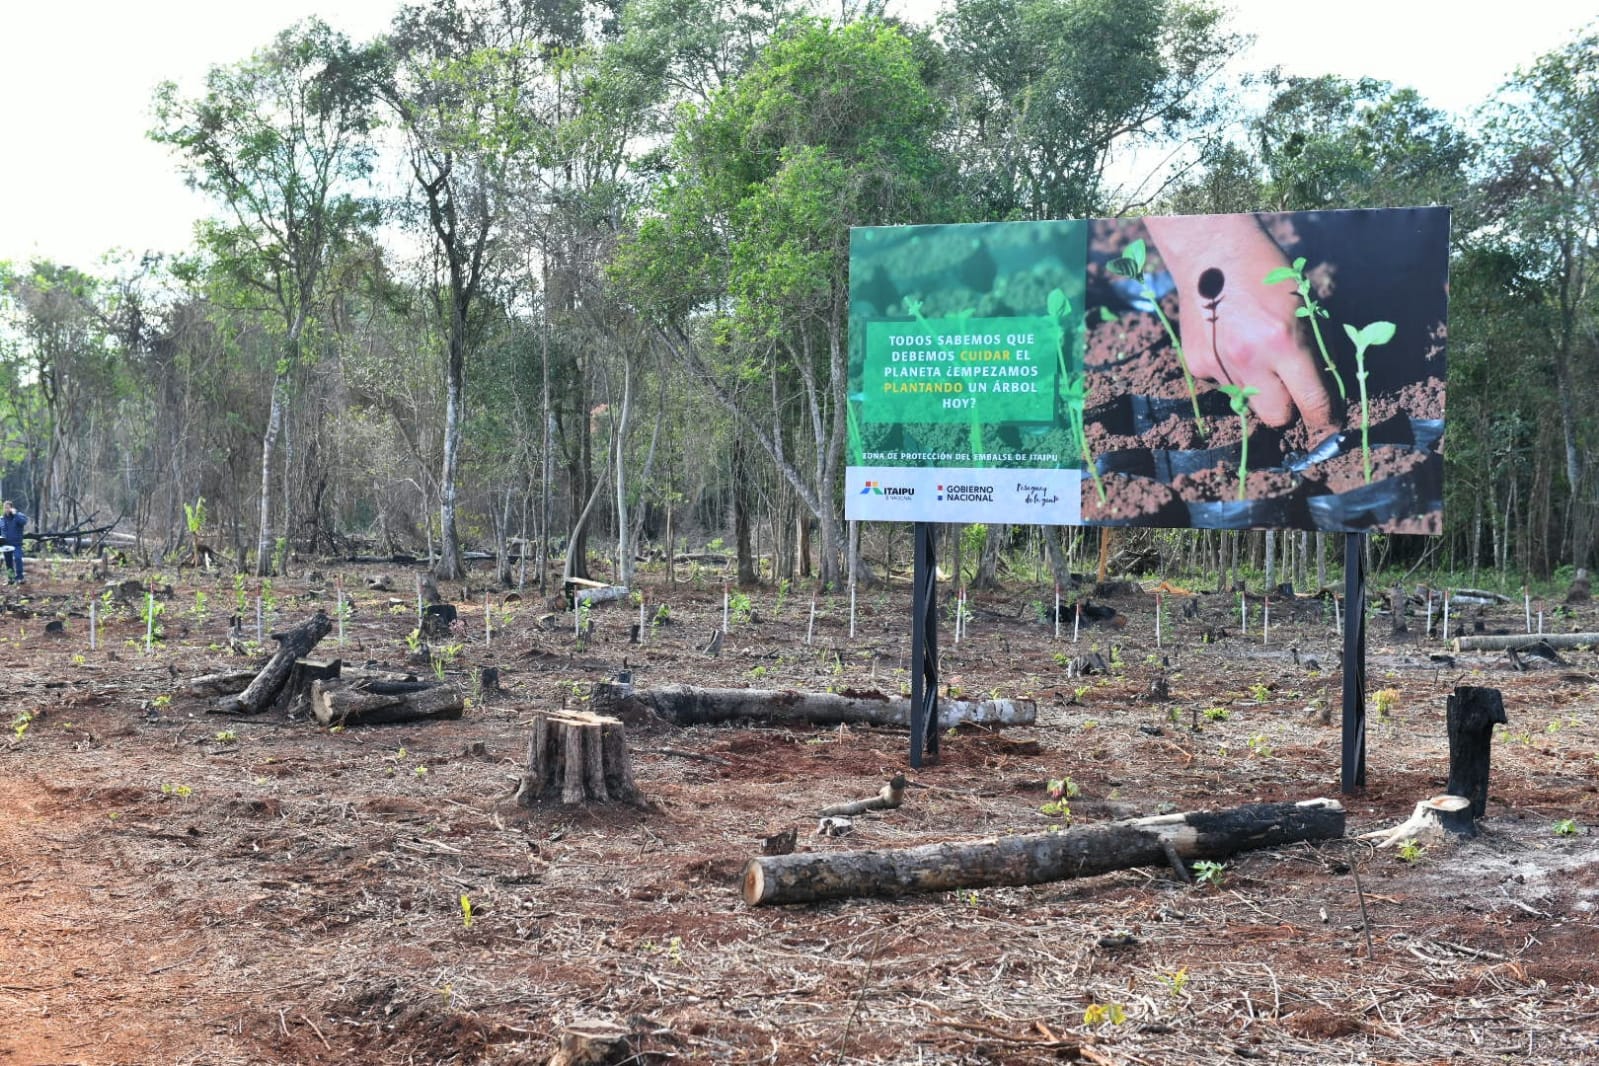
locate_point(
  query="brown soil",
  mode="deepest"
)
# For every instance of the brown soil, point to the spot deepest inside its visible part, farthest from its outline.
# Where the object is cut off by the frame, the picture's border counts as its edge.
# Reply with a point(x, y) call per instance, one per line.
point(1125, 497)
point(287, 894)
point(1421, 399)
point(1220, 482)
point(1348, 471)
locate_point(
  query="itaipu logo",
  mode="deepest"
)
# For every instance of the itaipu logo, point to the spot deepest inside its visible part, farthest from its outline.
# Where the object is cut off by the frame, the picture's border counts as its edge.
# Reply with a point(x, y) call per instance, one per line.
point(966, 493)
point(877, 488)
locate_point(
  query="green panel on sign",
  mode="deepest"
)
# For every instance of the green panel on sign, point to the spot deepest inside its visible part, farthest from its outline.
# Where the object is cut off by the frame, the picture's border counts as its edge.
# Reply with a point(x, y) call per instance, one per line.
point(961, 370)
point(966, 345)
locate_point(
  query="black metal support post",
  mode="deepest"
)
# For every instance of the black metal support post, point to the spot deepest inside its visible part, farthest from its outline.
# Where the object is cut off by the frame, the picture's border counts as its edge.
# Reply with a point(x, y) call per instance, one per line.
point(1354, 756)
point(924, 648)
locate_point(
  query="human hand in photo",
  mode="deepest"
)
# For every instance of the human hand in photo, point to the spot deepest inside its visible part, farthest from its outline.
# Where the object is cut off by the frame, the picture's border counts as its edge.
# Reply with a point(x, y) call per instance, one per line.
point(1235, 329)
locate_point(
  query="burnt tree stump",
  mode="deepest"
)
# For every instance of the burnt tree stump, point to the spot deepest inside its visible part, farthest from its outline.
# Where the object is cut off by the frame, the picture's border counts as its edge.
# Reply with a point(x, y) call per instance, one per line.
point(578, 756)
point(1473, 712)
point(293, 644)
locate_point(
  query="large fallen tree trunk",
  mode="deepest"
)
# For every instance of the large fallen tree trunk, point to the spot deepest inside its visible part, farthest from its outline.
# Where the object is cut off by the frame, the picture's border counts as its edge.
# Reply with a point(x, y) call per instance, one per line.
point(1525, 640)
point(264, 689)
point(1039, 857)
point(687, 705)
point(382, 702)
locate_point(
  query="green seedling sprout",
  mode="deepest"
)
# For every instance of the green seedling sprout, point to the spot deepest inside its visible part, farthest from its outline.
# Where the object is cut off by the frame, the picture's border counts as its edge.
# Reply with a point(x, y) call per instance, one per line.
point(1073, 388)
point(1131, 266)
point(1238, 397)
point(1312, 310)
point(1376, 333)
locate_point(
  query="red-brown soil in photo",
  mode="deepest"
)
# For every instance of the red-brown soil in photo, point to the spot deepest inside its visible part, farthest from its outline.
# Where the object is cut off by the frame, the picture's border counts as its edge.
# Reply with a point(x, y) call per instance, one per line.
point(179, 887)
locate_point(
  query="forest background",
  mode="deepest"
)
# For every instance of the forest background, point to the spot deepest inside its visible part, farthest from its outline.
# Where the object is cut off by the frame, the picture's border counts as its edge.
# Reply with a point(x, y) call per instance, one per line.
point(571, 275)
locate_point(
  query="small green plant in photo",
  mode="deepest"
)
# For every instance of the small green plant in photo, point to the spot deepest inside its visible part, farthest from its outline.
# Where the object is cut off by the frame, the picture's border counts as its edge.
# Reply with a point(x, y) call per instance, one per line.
point(466, 911)
point(739, 608)
point(1238, 399)
point(1566, 827)
point(1260, 746)
point(1383, 702)
point(241, 596)
point(180, 791)
point(1410, 850)
point(1216, 714)
point(1312, 310)
point(20, 724)
point(1131, 266)
point(1210, 873)
point(227, 736)
point(1366, 337)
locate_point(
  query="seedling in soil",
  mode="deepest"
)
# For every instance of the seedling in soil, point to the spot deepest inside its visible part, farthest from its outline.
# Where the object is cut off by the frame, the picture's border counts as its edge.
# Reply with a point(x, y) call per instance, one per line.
point(1131, 266)
point(1210, 873)
point(1176, 981)
point(1566, 827)
point(1410, 851)
point(1073, 388)
point(1312, 310)
point(1238, 398)
point(1376, 333)
point(1100, 1013)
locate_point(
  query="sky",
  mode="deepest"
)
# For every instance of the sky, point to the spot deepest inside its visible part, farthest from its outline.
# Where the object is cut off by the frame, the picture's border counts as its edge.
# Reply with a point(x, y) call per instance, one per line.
point(79, 177)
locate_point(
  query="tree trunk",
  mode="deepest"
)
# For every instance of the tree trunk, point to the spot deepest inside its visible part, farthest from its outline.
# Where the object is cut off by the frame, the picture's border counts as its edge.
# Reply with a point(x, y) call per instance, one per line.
point(624, 528)
point(1040, 857)
point(449, 566)
point(1472, 714)
point(335, 703)
point(263, 544)
point(686, 705)
point(264, 689)
point(1525, 640)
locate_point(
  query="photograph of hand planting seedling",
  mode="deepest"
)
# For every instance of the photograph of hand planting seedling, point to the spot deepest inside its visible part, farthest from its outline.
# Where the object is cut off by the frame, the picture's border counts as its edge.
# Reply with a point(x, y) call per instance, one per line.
point(1267, 371)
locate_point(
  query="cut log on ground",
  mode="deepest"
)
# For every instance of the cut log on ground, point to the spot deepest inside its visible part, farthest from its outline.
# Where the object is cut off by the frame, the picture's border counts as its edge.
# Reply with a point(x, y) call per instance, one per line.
point(293, 644)
point(600, 595)
point(1431, 820)
point(1470, 718)
point(1040, 857)
point(226, 683)
point(578, 757)
point(1520, 641)
point(336, 703)
point(295, 697)
point(888, 797)
point(687, 705)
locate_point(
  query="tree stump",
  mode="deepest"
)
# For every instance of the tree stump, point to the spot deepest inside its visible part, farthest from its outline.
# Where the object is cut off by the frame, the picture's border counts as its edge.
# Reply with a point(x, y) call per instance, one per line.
point(1432, 819)
point(1473, 712)
point(594, 1042)
point(293, 644)
point(580, 756)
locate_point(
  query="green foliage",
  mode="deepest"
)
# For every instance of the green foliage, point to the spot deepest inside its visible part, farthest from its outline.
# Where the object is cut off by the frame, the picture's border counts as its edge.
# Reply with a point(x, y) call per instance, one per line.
point(1410, 851)
point(1566, 827)
point(1210, 873)
point(1363, 338)
point(1096, 1014)
point(1130, 265)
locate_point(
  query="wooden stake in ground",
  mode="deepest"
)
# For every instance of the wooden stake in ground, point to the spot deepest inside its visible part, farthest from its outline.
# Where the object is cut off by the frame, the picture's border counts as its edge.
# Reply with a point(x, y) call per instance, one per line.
point(293, 644)
point(1040, 857)
point(578, 756)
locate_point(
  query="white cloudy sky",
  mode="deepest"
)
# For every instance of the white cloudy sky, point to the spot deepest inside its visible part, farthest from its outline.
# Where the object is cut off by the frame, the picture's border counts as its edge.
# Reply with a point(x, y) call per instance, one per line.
point(79, 178)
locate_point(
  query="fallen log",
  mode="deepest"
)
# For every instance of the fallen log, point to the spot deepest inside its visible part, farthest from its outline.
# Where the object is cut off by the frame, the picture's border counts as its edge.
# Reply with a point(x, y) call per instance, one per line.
point(292, 644)
point(226, 683)
point(600, 595)
point(1040, 857)
point(579, 757)
point(335, 703)
point(1519, 641)
point(888, 797)
point(687, 705)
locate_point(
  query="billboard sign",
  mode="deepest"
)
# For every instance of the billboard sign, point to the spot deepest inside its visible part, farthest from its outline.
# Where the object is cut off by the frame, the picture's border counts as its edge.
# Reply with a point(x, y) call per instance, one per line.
point(1218, 371)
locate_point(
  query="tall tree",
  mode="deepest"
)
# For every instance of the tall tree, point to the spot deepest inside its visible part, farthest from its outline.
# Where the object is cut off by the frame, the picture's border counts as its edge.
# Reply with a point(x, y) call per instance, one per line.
point(282, 141)
point(1047, 91)
point(743, 259)
point(1544, 201)
point(456, 88)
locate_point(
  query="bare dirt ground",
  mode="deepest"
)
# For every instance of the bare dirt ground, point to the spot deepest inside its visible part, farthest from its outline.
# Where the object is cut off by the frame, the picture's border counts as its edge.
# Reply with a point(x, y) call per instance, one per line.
point(177, 887)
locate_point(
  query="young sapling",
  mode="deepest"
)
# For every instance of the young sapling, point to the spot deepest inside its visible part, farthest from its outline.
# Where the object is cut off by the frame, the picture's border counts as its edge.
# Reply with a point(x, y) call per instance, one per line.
point(1312, 310)
point(1376, 333)
point(1131, 266)
point(1238, 397)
